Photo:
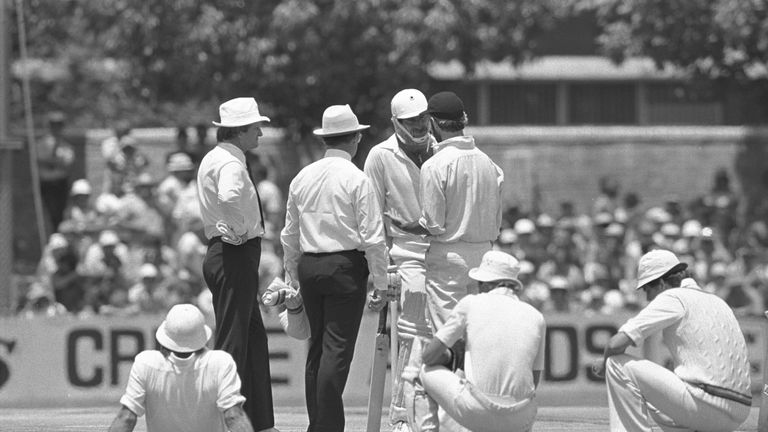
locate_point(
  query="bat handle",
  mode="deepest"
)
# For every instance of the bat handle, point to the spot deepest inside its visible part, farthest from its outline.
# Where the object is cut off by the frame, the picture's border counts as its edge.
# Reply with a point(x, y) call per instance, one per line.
point(382, 327)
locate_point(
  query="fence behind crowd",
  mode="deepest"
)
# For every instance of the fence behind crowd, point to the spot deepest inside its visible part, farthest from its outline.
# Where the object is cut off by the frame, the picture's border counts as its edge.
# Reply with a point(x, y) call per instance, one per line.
point(66, 361)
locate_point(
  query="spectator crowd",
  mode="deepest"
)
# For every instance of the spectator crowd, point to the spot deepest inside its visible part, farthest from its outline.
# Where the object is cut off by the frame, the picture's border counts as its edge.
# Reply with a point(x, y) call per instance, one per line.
point(134, 244)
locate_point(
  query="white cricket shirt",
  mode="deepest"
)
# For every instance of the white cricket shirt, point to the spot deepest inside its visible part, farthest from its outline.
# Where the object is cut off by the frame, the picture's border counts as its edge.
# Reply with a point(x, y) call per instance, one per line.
point(226, 193)
point(183, 394)
point(332, 207)
point(505, 342)
point(461, 193)
point(395, 178)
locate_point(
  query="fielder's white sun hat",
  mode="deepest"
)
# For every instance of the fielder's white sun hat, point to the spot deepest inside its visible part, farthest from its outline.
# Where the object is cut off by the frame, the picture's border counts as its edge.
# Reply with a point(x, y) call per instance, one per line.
point(339, 120)
point(656, 264)
point(184, 329)
point(408, 103)
point(497, 266)
point(240, 112)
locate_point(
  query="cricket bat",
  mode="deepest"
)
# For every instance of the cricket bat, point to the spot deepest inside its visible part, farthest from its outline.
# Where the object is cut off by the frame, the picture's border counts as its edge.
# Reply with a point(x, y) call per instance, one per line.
point(378, 373)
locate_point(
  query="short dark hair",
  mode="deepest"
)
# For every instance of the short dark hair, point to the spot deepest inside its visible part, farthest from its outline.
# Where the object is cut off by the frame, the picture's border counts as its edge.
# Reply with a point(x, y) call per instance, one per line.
point(224, 134)
point(452, 125)
point(337, 140)
point(676, 278)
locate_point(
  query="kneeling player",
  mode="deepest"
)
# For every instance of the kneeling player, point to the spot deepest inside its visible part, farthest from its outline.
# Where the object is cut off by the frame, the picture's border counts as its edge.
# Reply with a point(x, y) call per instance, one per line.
point(504, 353)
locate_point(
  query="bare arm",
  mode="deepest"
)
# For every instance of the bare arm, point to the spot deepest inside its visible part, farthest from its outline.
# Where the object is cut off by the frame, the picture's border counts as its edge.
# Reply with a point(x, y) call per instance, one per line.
point(125, 421)
point(236, 420)
point(618, 344)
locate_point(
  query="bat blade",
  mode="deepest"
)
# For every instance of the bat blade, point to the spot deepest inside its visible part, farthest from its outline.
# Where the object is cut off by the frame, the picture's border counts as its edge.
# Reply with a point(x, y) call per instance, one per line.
point(378, 374)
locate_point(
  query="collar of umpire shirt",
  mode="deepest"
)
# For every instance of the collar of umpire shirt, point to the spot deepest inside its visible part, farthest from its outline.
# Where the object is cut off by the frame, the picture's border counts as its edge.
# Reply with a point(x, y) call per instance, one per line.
point(338, 153)
point(234, 150)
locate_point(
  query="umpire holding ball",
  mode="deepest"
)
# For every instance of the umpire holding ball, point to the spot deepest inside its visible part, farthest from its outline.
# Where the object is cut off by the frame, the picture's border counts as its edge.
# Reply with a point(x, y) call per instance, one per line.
point(234, 225)
point(709, 388)
point(332, 239)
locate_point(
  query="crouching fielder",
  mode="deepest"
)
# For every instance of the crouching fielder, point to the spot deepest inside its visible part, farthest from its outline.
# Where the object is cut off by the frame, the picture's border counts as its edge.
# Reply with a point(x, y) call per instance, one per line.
point(504, 353)
point(184, 386)
point(709, 389)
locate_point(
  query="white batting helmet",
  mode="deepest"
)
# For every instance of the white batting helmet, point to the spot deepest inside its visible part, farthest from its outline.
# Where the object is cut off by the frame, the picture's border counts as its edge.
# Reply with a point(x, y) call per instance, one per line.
point(408, 103)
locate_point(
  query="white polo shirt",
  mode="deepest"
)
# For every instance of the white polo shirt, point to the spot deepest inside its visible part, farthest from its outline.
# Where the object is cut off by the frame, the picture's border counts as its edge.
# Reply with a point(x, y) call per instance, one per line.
point(461, 193)
point(701, 333)
point(226, 193)
point(505, 342)
point(183, 394)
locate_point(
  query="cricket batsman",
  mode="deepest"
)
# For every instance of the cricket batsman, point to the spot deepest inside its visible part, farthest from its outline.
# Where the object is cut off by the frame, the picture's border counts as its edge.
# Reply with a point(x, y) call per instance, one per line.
point(394, 167)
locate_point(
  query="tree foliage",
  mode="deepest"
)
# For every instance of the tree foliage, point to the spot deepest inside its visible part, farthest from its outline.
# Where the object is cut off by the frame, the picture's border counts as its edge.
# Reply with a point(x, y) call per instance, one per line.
point(157, 61)
point(721, 39)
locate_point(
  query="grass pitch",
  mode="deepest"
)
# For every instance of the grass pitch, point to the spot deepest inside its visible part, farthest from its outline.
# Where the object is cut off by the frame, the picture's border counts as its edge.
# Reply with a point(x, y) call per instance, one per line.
point(291, 419)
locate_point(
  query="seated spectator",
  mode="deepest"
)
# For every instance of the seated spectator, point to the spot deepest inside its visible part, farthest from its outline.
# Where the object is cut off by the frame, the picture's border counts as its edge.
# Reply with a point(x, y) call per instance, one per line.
point(40, 303)
point(138, 208)
point(66, 282)
point(80, 214)
point(124, 167)
point(103, 268)
point(191, 249)
point(145, 295)
point(559, 296)
point(180, 178)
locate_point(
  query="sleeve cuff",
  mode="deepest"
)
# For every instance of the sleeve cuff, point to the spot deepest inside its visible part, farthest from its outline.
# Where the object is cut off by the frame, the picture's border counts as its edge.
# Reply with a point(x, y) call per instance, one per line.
point(633, 333)
point(132, 405)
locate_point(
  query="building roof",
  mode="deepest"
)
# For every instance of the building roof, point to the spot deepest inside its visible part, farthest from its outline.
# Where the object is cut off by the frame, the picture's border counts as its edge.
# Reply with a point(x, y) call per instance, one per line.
point(559, 68)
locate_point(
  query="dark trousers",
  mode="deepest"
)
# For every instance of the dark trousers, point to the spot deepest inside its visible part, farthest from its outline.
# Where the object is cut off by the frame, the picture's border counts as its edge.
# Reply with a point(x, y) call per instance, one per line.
point(333, 286)
point(232, 275)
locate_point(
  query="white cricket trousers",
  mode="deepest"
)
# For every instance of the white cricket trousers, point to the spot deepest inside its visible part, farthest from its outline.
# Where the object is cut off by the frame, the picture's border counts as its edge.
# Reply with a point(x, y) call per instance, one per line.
point(474, 410)
point(408, 257)
point(640, 391)
point(447, 276)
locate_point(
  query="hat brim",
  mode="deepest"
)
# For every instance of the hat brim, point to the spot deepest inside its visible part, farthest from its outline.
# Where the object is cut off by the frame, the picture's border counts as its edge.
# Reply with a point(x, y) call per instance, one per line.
point(242, 122)
point(656, 275)
point(172, 345)
point(481, 275)
point(323, 133)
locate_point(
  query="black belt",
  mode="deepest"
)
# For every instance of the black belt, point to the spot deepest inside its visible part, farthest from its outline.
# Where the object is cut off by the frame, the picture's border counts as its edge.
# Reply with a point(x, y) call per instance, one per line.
point(341, 252)
point(724, 393)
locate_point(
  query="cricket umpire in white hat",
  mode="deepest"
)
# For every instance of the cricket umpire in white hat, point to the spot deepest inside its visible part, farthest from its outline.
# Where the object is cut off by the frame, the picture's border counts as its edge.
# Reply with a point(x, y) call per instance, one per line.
point(505, 340)
point(332, 240)
point(234, 225)
point(709, 387)
point(184, 385)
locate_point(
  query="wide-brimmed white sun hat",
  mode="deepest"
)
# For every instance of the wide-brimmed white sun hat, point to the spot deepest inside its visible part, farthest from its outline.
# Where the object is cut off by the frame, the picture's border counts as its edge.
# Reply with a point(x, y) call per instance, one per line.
point(656, 264)
point(408, 103)
point(497, 266)
point(184, 329)
point(339, 120)
point(240, 112)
